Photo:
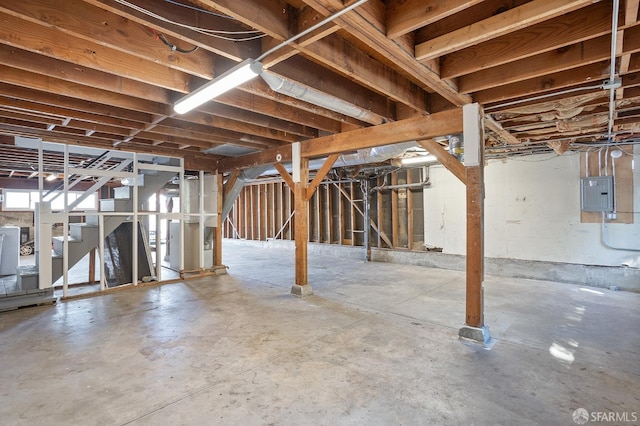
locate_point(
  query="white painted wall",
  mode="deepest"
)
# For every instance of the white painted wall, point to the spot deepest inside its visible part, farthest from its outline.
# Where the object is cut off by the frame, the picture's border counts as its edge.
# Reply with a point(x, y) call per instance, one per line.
point(532, 212)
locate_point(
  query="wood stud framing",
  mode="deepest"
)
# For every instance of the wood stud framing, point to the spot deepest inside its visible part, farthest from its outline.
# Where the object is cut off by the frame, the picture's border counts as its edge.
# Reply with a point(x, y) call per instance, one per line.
point(333, 208)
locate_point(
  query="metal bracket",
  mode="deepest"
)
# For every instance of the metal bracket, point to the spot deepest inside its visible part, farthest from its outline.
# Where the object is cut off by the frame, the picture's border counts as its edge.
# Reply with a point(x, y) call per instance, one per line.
point(615, 84)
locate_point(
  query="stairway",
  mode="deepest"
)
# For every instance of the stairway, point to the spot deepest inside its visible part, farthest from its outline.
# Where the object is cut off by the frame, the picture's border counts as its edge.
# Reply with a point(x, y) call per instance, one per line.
point(85, 236)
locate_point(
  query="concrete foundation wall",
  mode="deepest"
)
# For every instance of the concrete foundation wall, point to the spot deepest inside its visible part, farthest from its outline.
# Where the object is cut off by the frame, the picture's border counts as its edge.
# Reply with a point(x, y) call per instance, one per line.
point(623, 278)
point(532, 212)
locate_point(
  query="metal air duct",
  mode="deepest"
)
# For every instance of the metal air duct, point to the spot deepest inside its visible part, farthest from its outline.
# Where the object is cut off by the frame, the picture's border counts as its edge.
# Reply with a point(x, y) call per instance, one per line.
point(244, 176)
point(362, 156)
point(292, 88)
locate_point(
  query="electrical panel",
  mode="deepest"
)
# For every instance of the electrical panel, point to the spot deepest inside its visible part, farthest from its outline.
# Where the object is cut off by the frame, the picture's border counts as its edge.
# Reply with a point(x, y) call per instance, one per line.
point(596, 194)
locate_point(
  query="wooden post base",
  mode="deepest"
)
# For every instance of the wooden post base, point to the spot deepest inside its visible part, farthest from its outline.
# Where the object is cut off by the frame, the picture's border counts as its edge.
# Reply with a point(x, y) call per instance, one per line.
point(476, 334)
point(301, 290)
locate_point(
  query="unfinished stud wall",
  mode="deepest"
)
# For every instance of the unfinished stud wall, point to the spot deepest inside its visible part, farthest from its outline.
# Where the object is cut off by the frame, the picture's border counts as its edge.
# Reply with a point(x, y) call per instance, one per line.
point(336, 212)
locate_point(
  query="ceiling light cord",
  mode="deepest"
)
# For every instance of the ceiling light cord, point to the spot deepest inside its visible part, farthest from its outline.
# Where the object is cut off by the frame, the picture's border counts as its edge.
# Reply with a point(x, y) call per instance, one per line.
point(310, 29)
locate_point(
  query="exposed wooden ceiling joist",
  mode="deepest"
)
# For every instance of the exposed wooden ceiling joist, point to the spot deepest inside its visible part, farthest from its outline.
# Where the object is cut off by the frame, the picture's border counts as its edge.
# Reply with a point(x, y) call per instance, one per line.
point(107, 72)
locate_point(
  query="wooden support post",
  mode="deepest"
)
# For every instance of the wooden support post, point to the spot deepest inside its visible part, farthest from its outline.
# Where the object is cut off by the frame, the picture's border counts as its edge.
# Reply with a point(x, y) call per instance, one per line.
point(92, 266)
point(301, 286)
point(475, 246)
point(474, 327)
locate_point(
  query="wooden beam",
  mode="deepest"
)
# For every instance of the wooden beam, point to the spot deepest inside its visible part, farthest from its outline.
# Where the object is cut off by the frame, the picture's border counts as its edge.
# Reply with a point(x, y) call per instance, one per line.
point(417, 128)
point(305, 19)
point(338, 54)
point(270, 107)
point(268, 16)
point(38, 39)
point(232, 112)
point(630, 17)
point(587, 75)
point(335, 53)
point(576, 55)
point(504, 23)
point(233, 177)
point(583, 53)
point(268, 156)
point(285, 176)
point(81, 92)
point(53, 111)
point(227, 48)
point(449, 161)
point(370, 29)
point(77, 105)
point(587, 23)
point(497, 128)
point(206, 136)
point(93, 24)
point(406, 16)
point(322, 172)
point(204, 123)
point(66, 71)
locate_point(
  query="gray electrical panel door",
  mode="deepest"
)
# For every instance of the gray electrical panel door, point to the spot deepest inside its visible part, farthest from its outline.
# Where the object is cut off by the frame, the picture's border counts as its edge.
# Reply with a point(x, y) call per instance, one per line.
point(596, 194)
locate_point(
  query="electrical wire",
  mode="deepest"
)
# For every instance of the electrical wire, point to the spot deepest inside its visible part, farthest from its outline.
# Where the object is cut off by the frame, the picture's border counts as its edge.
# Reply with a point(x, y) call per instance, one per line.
point(311, 29)
point(188, 6)
point(546, 95)
point(171, 46)
point(220, 34)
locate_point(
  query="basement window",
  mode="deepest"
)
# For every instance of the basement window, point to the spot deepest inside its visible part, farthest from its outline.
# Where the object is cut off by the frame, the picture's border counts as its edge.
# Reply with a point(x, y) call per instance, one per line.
point(16, 200)
point(22, 200)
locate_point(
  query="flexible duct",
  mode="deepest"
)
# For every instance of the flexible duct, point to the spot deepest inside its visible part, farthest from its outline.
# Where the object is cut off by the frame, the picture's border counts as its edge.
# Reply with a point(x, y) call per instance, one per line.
point(232, 193)
point(292, 88)
point(362, 156)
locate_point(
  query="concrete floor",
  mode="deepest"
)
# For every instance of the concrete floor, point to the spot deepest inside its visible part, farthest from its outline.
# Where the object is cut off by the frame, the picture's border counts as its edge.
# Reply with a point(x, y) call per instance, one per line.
point(377, 344)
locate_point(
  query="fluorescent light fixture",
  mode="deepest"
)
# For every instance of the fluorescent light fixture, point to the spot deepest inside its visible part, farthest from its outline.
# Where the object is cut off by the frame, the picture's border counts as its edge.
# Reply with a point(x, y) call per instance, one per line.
point(51, 177)
point(420, 159)
point(237, 75)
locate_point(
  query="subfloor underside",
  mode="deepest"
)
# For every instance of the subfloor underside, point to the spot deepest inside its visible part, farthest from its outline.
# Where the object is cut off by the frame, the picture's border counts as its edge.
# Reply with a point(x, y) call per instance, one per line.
point(376, 344)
